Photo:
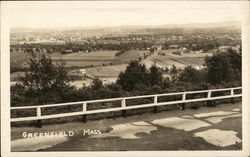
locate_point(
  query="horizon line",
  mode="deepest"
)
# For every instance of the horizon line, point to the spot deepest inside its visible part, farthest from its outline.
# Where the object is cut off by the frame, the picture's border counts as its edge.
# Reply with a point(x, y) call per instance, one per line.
point(125, 25)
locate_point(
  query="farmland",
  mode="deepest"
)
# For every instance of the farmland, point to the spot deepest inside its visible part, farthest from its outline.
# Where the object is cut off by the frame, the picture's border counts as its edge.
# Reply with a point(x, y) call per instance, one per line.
point(107, 74)
point(81, 59)
point(107, 66)
point(86, 59)
point(80, 83)
point(106, 71)
point(131, 55)
point(180, 61)
point(18, 59)
point(96, 58)
point(95, 55)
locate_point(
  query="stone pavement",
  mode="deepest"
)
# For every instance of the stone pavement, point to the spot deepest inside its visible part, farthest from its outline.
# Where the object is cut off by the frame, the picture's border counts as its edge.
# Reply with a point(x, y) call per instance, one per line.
point(203, 131)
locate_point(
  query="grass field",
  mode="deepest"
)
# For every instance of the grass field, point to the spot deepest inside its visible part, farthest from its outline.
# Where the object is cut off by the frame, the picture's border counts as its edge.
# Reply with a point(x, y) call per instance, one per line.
point(18, 59)
point(180, 61)
point(97, 58)
point(161, 62)
point(108, 74)
point(95, 55)
point(86, 59)
point(130, 55)
point(106, 71)
point(79, 84)
point(93, 58)
point(193, 61)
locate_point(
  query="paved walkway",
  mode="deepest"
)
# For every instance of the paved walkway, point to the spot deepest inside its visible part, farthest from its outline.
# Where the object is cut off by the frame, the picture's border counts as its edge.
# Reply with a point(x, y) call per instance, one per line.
point(214, 130)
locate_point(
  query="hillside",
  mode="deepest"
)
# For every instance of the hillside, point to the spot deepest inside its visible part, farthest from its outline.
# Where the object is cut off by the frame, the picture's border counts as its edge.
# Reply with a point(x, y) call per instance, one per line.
point(131, 29)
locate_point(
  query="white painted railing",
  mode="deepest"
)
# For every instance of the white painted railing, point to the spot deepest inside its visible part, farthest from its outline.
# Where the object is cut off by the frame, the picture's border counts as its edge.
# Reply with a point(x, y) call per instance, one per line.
point(123, 106)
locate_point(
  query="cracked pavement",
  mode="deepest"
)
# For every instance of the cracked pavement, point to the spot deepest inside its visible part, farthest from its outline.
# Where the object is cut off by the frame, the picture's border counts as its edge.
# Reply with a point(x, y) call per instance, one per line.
point(217, 128)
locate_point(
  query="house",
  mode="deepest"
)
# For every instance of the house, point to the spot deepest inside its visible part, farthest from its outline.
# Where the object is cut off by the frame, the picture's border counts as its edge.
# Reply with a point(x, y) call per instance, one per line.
point(157, 47)
point(198, 51)
point(173, 46)
point(224, 47)
point(184, 50)
point(83, 71)
point(236, 48)
point(68, 51)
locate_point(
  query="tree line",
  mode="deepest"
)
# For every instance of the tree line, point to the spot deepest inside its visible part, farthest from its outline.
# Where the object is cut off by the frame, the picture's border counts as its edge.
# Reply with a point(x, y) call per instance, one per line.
point(84, 47)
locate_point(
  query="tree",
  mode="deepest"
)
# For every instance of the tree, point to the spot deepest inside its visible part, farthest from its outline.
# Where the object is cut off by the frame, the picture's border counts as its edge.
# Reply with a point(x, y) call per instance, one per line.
point(135, 73)
point(223, 67)
point(119, 52)
point(191, 75)
point(37, 49)
point(96, 84)
point(236, 60)
point(173, 73)
point(17, 95)
point(155, 75)
point(173, 70)
point(151, 50)
point(45, 82)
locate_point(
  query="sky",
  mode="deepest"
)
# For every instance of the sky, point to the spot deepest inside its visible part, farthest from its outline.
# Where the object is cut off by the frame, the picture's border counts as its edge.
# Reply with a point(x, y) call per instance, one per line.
point(54, 14)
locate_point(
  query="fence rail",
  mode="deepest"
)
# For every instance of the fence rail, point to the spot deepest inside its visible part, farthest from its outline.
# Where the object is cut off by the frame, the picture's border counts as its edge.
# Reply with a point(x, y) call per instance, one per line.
point(123, 106)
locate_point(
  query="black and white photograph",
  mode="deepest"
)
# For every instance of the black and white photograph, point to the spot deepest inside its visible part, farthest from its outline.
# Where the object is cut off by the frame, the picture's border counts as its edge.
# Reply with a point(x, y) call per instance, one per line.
point(125, 77)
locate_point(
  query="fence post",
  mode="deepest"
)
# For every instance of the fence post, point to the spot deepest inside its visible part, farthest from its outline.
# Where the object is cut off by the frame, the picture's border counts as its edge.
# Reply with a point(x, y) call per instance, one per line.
point(124, 112)
point(209, 102)
point(183, 106)
point(232, 94)
point(155, 102)
point(38, 114)
point(84, 109)
point(209, 96)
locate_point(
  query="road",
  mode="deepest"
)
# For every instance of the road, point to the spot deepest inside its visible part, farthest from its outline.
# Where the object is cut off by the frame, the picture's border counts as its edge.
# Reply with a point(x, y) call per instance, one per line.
point(206, 128)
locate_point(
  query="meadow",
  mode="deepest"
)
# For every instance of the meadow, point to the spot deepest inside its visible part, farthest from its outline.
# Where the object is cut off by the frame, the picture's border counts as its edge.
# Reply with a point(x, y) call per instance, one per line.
point(95, 58)
point(106, 71)
point(18, 59)
point(180, 61)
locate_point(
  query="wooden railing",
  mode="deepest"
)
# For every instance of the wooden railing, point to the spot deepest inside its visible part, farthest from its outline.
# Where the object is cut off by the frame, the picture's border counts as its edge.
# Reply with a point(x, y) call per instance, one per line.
point(124, 106)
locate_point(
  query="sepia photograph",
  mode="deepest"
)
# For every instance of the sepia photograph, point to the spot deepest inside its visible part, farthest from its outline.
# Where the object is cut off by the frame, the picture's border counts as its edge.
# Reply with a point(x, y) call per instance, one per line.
point(125, 76)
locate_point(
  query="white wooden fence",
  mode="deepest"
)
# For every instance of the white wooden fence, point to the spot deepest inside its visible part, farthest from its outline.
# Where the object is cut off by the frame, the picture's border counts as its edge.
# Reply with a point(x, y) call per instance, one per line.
point(39, 116)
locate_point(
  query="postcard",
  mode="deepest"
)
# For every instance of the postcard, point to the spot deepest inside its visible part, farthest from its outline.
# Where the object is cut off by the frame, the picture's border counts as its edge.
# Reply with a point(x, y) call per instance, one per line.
point(125, 78)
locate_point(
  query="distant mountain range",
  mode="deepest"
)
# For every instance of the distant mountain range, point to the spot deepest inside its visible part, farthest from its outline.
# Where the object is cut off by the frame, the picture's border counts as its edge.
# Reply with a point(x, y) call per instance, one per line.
point(131, 28)
point(231, 24)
